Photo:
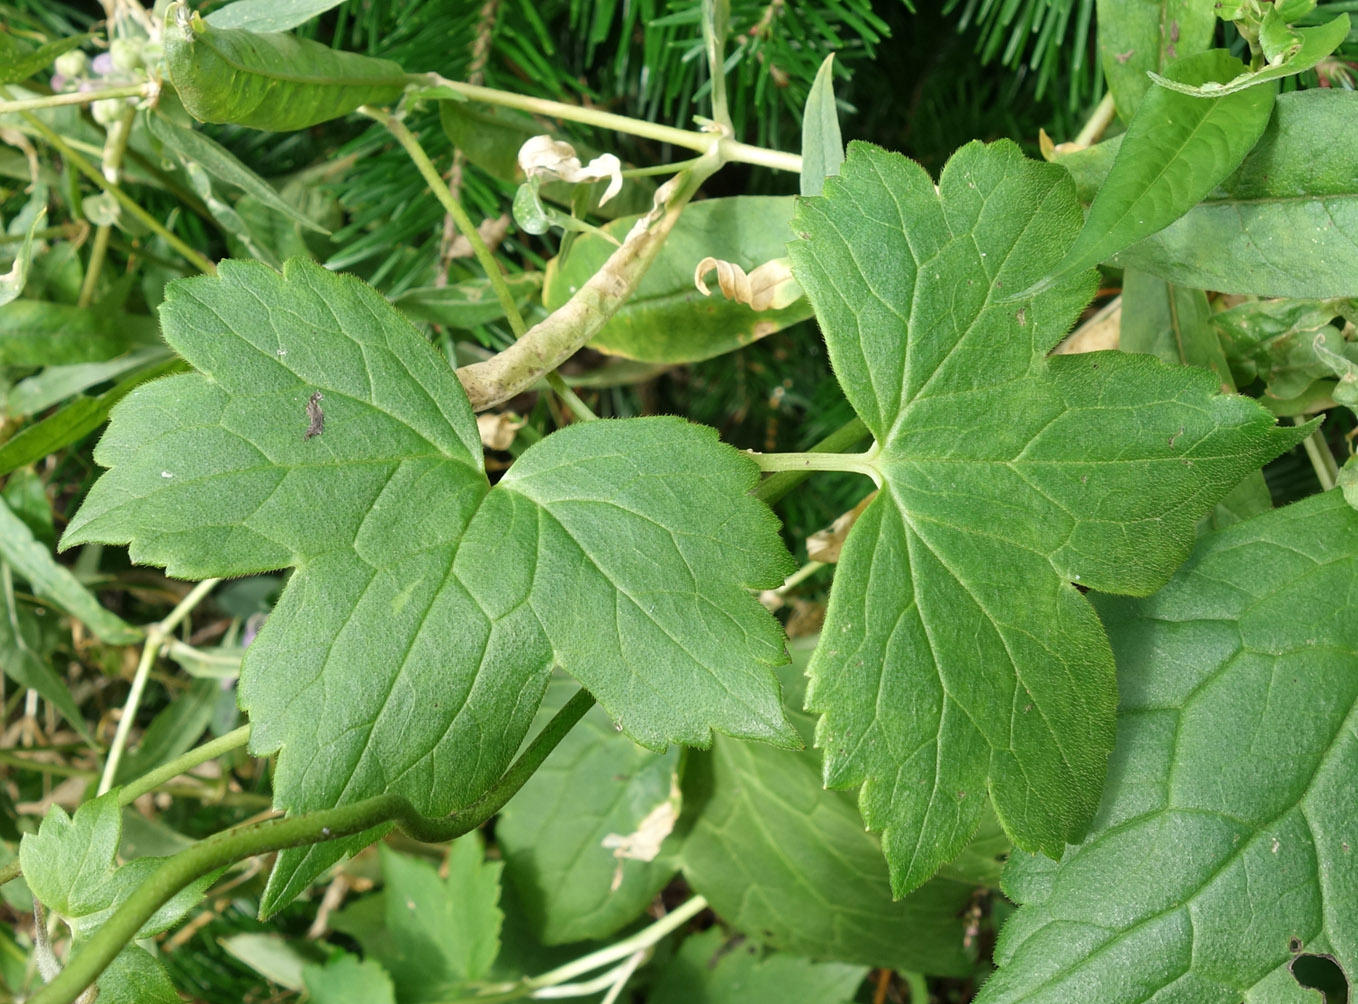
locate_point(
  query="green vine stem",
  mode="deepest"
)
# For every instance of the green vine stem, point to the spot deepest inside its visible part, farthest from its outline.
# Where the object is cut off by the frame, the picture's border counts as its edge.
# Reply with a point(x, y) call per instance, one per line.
point(75, 98)
point(859, 463)
point(731, 150)
point(115, 146)
point(238, 843)
point(155, 636)
point(554, 340)
point(847, 436)
point(195, 258)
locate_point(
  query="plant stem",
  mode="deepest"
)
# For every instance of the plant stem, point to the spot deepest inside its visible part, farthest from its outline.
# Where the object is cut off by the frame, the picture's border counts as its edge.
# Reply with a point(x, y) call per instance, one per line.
point(115, 146)
point(731, 150)
point(185, 762)
point(568, 397)
point(155, 635)
point(861, 463)
point(1098, 121)
point(431, 176)
point(1318, 451)
point(847, 436)
point(240, 842)
point(82, 165)
point(552, 341)
point(74, 98)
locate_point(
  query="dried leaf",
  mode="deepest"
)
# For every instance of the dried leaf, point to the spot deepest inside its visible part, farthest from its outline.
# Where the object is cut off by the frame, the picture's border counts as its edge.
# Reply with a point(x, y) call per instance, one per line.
point(771, 286)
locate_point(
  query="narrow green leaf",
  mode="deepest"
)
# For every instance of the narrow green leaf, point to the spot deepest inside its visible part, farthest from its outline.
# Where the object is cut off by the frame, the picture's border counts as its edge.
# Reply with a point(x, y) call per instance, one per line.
point(710, 970)
point(1224, 845)
point(576, 836)
point(32, 560)
point(23, 660)
point(74, 420)
point(40, 333)
point(1284, 224)
point(270, 81)
point(12, 282)
point(466, 304)
point(1176, 150)
point(57, 383)
point(412, 645)
point(347, 980)
point(174, 730)
point(1141, 36)
point(19, 60)
point(958, 656)
point(268, 15)
point(788, 863)
point(668, 320)
point(444, 931)
point(1313, 45)
point(195, 148)
point(822, 145)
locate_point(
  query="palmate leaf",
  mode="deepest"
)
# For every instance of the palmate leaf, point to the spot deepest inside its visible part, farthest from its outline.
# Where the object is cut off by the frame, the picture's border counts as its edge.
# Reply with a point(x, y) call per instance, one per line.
point(1225, 844)
point(411, 647)
point(957, 655)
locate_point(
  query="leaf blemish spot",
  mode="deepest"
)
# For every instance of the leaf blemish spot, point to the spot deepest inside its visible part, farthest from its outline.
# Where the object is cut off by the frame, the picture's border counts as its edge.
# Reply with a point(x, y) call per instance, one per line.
point(315, 417)
point(166, 474)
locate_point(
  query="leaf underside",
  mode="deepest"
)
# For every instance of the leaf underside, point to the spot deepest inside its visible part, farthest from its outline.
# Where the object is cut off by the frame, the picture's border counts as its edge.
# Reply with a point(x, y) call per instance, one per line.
point(1225, 842)
point(958, 657)
point(411, 646)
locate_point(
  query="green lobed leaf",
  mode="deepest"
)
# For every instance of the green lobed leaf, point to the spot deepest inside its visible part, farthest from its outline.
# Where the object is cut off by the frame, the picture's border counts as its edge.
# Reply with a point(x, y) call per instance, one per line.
point(958, 657)
point(1284, 224)
point(1306, 50)
point(1175, 151)
point(195, 148)
point(444, 932)
point(411, 647)
point(822, 145)
point(1140, 36)
point(1223, 846)
point(668, 320)
point(345, 979)
point(32, 560)
point(555, 832)
point(69, 864)
point(270, 80)
point(709, 970)
point(788, 863)
point(268, 15)
point(19, 60)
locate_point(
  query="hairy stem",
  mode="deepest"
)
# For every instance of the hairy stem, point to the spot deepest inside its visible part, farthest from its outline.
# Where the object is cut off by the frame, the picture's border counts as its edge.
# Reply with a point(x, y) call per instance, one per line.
point(210, 750)
point(847, 436)
point(241, 842)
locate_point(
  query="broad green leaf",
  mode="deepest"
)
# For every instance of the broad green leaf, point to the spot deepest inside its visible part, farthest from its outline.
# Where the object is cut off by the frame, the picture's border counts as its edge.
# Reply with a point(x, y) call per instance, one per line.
point(1174, 324)
point(1284, 224)
point(1137, 36)
point(465, 304)
point(1311, 45)
point(1224, 843)
point(69, 865)
point(410, 648)
point(39, 333)
point(444, 931)
point(1175, 151)
point(26, 496)
point(23, 659)
point(57, 383)
point(33, 561)
point(268, 15)
point(12, 282)
point(19, 60)
point(1347, 482)
point(75, 419)
point(270, 80)
point(668, 320)
point(195, 148)
point(346, 979)
point(822, 145)
point(709, 970)
point(958, 657)
point(788, 863)
point(569, 836)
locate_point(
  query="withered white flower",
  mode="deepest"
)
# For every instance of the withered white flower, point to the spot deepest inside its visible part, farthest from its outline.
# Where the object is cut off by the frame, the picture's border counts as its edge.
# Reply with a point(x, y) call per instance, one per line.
point(547, 158)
